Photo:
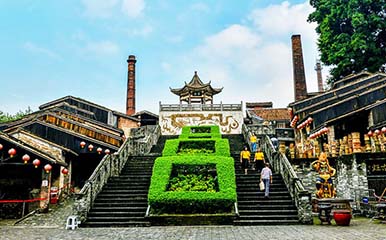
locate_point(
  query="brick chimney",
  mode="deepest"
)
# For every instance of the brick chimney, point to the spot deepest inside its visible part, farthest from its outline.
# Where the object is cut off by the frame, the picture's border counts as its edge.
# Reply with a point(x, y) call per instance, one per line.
point(318, 69)
point(130, 101)
point(300, 85)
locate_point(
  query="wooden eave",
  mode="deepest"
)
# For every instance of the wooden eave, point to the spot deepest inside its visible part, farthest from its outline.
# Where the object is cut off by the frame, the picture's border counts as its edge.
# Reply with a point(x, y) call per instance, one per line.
point(31, 149)
point(344, 95)
point(315, 100)
point(78, 135)
point(355, 97)
point(63, 99)
point(44, 140)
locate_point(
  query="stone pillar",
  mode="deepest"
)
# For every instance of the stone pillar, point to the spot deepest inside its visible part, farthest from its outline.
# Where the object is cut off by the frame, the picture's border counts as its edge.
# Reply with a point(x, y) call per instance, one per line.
point(300, 86)
point(130, 100)
point(45, 191)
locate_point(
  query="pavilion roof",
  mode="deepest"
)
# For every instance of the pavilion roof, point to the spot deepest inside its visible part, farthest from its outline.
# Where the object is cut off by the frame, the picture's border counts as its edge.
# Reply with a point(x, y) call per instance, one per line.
point(196, 84)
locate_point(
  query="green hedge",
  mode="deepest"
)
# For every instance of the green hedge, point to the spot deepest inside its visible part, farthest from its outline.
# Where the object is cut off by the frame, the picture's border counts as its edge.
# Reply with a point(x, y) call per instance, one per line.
point(200, 132)
point(162, 201)
point(221, 146)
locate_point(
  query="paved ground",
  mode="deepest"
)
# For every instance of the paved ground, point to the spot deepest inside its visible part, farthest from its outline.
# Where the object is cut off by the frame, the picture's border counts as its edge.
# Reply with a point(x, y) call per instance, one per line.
point(51, 226)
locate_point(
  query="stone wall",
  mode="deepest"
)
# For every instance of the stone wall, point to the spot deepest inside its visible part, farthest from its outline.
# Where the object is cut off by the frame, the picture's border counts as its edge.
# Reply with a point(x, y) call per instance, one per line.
point(350, 180)
point(171, 122)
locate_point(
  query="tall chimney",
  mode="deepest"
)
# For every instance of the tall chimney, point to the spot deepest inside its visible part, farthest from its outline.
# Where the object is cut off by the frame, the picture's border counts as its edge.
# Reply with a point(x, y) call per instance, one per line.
point(300, 85)
point(130, 103)
point(318, 69)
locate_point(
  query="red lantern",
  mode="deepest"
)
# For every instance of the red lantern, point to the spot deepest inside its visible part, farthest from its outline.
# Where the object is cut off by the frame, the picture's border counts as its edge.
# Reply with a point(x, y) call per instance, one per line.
point(383, 131)
point(90, 147)
point(107, 151)
point(99, 150)
point(377, 132)
point(47, 168)
point(370, 133)
point(36, 163)
point(26, 158)
point(65, 171)
point(1, 146)
point(12, 152)
point(82, 144)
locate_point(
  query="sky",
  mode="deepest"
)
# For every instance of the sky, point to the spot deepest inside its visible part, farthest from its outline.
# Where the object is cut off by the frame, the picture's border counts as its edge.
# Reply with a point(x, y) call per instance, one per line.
point(52, 49)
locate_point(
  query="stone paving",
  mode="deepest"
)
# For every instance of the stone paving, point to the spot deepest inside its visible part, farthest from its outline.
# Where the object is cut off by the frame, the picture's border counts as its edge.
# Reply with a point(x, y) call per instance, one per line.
point(52, 226)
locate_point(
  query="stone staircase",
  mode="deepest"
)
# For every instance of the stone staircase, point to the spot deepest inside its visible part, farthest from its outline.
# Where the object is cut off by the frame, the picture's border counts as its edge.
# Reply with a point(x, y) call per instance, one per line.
point(254, 209)
point(123, 200)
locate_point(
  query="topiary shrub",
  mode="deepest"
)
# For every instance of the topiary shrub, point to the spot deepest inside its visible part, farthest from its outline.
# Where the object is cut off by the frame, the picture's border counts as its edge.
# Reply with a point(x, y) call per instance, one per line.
point(182, 202)
point(216, 147)
point(200, 132)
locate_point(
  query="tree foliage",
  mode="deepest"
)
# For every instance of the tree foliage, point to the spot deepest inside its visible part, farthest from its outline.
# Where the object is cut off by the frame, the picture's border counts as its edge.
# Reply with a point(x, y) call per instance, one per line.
point(6, 117)
point(352, 35)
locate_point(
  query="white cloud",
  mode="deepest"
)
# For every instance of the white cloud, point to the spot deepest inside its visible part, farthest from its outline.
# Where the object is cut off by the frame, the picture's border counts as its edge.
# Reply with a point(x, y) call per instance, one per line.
point(200, 7)
point(142, 32)
point(166, 66)
point(284, 19)
point(99, 8)
point(101, 48)
point(253, 61)
point(33, 48)
point(133, 8)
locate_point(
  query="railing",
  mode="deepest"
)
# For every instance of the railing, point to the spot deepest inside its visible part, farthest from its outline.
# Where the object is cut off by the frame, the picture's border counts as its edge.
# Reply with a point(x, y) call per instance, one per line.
point(281, 165)
point(200, 107)
point(112, 165)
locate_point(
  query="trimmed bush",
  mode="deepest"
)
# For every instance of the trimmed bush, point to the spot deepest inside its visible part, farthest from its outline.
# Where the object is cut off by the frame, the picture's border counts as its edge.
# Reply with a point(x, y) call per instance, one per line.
point(216, 147)
point(163, 201)
point(200, 132)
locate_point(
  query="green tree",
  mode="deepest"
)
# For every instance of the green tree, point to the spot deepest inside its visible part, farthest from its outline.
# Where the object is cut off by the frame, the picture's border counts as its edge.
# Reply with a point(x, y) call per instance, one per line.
point(352, 35)
point(6, 117)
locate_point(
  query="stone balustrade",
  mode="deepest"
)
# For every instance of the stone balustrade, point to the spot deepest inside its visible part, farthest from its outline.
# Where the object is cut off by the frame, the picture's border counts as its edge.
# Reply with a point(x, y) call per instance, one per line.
point(140, 142)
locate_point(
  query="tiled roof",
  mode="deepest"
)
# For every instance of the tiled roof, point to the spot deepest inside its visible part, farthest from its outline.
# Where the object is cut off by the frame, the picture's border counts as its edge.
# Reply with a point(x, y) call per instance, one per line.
point(272, 114)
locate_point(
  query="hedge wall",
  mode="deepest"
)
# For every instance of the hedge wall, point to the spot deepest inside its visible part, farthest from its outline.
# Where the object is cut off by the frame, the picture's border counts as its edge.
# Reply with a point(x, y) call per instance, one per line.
point(162, 201)
point(200, 132)
point(221, 146)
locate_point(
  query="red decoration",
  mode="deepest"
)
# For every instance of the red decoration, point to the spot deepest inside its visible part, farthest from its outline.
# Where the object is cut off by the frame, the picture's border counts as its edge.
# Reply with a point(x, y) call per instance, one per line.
point(383, 131)
point(48, 168)
point(12, 152)
point(377, 132)
point(82, 144)
point(65, 171)
point(107, 151)
point(26, 158)
point(342, 217)
point(99, 150)
point(90, 147)
point(1, 146)
point(370, 133)
point(36, 163)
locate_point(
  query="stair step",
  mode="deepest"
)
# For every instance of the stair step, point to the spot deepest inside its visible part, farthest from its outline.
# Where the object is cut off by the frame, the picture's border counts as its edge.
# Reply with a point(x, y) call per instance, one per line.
point(119, 209)
point(111, 204)
point(113, 214)
point(270, 217)
point(267, 212)
point(246, 222)
point(116, 224)
point(266, 207)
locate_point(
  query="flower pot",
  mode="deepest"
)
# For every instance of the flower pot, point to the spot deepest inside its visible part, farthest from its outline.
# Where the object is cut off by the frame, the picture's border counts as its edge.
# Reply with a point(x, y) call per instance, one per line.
point(342, 217)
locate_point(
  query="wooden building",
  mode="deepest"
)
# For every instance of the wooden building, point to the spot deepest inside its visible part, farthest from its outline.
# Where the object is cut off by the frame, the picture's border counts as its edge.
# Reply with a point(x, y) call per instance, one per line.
point(69, 134)
point(196, 91)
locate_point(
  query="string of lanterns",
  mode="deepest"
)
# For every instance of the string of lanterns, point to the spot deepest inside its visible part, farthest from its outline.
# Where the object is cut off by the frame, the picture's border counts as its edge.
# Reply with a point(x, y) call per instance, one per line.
point(305, 123)
point(319, 133)
point(26, 158)
point(90, 147)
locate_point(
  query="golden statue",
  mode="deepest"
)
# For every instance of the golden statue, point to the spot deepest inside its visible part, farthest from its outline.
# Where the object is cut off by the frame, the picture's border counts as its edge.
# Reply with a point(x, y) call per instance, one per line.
point(324, 184)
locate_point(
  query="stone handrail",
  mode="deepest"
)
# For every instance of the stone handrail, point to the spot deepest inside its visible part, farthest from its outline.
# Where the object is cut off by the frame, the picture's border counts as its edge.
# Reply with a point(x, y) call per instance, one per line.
point(299, 194)
point(281, 165)
point(111, 165)
point(200, 107)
